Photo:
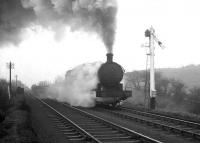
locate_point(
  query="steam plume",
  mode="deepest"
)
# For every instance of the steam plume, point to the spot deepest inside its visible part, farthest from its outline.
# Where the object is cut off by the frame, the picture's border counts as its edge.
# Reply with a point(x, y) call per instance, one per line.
point(89, 15)
point(77, 86)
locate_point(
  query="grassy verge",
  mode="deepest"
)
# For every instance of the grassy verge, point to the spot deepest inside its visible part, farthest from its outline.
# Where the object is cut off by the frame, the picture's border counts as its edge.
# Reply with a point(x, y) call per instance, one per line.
point(16, 126)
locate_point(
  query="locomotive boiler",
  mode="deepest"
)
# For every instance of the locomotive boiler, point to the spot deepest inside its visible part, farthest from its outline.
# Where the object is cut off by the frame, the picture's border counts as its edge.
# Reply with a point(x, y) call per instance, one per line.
point(109, 90)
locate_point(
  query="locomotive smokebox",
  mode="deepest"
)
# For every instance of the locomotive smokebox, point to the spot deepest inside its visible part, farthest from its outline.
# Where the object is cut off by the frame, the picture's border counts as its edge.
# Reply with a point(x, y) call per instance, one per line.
point(109, 90)
point(109, 57)
point(110, 73)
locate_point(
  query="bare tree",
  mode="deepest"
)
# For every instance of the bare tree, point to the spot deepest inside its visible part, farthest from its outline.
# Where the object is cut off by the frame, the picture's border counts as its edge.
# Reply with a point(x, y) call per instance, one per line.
point(136, 78)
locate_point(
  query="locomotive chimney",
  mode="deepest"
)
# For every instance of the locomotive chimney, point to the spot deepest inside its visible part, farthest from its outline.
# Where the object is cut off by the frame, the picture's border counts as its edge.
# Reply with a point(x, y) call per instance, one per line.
point(109, 57)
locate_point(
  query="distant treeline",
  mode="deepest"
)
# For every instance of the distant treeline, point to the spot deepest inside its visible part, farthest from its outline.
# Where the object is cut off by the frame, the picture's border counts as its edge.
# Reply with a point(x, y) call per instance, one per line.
point(171, 93)
point(189, 75)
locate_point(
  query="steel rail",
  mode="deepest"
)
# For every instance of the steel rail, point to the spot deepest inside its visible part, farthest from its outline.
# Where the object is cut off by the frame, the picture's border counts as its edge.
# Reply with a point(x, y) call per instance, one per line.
point(142, 137)
point(164, 126)
point(88, 136)
point(157, 116)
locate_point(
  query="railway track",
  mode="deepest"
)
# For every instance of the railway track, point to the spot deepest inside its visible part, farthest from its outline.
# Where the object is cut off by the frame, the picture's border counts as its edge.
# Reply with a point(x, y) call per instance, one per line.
point(66, 126)
point(80, 126)
point(178, 126)
point(163, 117)
point(160, 115)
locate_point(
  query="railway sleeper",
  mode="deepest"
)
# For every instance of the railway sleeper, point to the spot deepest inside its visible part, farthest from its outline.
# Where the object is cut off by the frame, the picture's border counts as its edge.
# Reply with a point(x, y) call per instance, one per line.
point(57, 118)
point(95, 127)
point(92, 125)
point(77, 139)
point(58, 123)
point(88, 123)
point(62, 126)
point(95, 132)
point(70, 133)
point(124, 138)
point(74, 136)
point(135, 141)
point(69, 130)
point(66, 123)
point(66, 128)
point(100, 129)
point(109, 135)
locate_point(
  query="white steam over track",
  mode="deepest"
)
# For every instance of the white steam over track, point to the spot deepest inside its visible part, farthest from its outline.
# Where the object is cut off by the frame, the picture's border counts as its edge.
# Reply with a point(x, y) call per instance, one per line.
point(77, 87)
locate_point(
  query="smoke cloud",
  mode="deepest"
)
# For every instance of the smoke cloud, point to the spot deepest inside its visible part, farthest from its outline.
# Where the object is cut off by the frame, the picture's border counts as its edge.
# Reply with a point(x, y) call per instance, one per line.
point(77, 87)
point(89, 15)
point(13, 18)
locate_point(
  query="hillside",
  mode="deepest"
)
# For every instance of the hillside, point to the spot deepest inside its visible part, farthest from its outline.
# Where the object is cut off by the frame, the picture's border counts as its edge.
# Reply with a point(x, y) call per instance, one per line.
point(190, 75)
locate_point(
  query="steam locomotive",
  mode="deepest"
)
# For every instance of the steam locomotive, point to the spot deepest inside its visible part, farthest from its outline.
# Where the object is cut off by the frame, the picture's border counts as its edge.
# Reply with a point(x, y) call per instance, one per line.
point(109, 90)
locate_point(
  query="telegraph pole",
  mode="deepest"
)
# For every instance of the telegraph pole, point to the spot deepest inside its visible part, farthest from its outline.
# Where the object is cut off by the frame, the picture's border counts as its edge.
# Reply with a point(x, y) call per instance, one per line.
point(10, 66)
point(16, 80)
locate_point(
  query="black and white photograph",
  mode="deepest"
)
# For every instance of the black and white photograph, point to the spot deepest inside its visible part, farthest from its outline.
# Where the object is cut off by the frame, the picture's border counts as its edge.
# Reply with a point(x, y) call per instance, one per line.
point(99, 71)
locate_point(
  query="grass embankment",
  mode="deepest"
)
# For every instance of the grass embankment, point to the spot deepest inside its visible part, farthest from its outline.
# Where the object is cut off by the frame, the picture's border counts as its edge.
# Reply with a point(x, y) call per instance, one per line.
point(16, 123)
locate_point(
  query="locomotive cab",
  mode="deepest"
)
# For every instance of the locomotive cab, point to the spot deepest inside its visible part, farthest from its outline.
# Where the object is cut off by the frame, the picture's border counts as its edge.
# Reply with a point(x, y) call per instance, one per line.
point(109, 90)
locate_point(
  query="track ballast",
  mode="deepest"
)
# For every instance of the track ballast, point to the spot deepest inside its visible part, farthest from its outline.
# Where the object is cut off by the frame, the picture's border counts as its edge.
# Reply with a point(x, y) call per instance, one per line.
point(80, 126)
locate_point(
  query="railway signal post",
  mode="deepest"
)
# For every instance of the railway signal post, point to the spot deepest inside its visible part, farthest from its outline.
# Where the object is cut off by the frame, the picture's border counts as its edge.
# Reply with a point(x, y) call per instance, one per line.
point(150, 33)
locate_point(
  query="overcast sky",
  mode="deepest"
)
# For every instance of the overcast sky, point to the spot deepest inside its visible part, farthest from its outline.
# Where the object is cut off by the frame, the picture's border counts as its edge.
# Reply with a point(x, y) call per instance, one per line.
point(39, 56)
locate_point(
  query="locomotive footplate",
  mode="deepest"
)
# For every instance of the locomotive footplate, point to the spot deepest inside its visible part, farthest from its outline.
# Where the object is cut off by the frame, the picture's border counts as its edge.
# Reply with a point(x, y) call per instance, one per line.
point(111, 97)
point(122, 94)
